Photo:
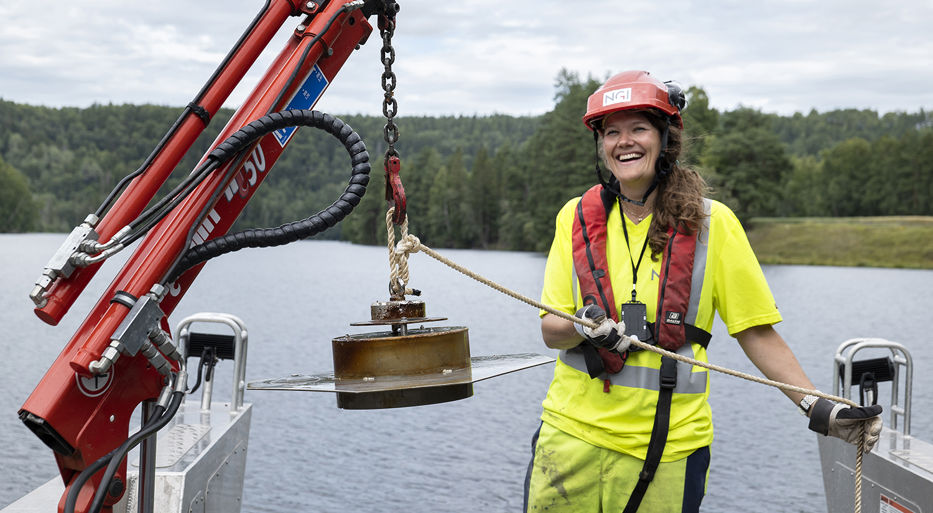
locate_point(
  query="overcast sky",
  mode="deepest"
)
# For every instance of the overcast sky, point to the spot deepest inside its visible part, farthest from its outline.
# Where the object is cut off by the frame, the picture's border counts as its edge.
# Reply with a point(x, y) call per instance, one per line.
point(491, 56)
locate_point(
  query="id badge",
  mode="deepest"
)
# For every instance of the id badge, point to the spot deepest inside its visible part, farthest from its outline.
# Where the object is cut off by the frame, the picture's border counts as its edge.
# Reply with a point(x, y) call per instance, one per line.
point(635, 316)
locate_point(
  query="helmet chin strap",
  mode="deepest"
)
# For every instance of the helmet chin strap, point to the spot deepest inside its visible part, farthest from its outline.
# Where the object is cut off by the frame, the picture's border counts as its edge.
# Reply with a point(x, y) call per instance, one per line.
point(662, 168)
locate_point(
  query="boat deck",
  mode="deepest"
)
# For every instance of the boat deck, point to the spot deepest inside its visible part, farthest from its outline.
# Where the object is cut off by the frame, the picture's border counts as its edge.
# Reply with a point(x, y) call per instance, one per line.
point(897, 476)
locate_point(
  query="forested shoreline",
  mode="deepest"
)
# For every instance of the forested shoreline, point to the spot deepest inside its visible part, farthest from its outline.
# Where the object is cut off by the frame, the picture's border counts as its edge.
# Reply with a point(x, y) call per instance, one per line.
point(483, 181)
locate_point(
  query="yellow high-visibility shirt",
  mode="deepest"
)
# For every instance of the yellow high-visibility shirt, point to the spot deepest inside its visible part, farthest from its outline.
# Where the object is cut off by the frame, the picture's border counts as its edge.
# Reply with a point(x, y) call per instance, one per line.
point(733, 284)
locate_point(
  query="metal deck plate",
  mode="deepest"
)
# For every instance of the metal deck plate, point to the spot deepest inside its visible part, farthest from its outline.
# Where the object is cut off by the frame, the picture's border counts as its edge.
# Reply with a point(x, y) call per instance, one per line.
point(481, 367)
point(916, 453)
point(175, 443)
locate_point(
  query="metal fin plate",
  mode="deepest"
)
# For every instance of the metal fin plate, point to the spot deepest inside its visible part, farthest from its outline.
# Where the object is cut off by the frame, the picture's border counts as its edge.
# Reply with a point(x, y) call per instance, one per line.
point(482, 367)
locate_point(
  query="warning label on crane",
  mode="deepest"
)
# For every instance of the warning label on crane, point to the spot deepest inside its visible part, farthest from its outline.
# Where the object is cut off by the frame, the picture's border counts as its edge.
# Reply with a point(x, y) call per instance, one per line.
point(305, 98)
point(95, 385)
point(889, 505)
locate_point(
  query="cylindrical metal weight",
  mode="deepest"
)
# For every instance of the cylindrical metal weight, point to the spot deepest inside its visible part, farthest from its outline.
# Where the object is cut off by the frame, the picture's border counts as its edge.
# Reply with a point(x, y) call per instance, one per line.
point(433, 364)
point(422, 351)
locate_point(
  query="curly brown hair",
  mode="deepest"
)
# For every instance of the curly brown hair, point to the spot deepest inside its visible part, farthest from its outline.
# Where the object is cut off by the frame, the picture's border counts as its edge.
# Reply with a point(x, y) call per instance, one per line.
point(679, 196)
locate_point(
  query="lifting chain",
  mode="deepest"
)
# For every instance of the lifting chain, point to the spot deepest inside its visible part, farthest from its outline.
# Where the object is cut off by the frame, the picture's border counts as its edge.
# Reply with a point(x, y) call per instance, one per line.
point(389, 105)
point(394, 192)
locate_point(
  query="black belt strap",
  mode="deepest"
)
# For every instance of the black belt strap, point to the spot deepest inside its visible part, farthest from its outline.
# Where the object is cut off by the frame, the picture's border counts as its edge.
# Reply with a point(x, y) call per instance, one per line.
point(662, 420)
point(691, 333)
point(594, 364)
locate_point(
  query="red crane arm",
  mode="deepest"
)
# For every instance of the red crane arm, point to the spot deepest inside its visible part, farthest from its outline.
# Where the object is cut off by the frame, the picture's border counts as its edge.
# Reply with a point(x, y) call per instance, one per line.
point(83, 413)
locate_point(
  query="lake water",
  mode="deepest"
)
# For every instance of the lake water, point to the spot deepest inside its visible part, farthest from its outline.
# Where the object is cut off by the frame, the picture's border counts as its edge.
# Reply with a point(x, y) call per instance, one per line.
point(469, 455)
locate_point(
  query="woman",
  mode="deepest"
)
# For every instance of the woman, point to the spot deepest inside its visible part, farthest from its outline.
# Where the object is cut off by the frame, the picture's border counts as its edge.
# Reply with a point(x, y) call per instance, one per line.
point(622, 429)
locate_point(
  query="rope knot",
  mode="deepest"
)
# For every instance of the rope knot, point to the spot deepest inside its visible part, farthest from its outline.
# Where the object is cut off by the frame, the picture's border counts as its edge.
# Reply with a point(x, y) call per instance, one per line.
point(408, 244)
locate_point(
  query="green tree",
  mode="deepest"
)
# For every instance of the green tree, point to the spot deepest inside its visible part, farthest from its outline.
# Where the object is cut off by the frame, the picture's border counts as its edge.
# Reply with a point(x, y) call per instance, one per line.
point(18, 210)
point(848, 168)
point(450, 214)
point(920, 195)
point(366, 224)
point(440, 217)
point(463, 230)
point(486, 193)
point(749, 165)
point(417, 175)
point(512, 209)
point(700, 121)
point(556, 164)
point(900, 178)
point(804, 192)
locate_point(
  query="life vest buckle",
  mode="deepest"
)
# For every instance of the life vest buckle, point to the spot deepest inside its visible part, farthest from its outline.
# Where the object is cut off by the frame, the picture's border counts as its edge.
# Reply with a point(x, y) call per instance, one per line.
point(668, 373)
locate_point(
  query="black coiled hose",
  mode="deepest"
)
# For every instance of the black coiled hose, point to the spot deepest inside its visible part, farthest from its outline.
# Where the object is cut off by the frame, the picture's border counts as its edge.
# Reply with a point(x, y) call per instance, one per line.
point(268, 237)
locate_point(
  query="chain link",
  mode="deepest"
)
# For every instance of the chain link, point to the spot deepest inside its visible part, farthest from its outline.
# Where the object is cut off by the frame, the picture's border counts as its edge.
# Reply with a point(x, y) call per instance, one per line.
point(389, 105)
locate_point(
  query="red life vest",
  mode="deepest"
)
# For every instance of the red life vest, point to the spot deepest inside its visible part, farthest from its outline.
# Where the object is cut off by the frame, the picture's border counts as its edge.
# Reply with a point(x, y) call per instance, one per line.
point(670, 330)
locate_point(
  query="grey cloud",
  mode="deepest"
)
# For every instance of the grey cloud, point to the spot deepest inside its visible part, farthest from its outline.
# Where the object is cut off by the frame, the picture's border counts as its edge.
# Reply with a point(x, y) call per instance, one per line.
point(495, 56)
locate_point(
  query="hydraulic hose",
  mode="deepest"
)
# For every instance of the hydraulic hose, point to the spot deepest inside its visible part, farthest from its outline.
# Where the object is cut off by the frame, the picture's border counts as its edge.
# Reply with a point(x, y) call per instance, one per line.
point(157, 212)
point(95, 467)
point(151, 426)
point(284, 234)
point(143, 223)
point(117, 455)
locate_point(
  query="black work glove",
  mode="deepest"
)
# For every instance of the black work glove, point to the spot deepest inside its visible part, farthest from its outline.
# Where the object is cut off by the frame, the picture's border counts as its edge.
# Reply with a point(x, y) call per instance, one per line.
point(608, 335)
point(841, 421)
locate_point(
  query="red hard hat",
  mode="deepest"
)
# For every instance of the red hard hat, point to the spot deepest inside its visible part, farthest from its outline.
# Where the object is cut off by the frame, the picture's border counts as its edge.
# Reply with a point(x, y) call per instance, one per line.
point(631, 90)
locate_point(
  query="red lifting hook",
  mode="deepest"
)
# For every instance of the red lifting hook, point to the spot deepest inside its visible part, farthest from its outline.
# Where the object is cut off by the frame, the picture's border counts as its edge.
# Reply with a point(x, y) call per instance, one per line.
point(395, 193)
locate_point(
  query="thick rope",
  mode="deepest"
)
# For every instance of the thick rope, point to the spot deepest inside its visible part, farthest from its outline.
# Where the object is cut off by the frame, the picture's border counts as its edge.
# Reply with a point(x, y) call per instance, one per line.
point(410, 244)
point(398, 261)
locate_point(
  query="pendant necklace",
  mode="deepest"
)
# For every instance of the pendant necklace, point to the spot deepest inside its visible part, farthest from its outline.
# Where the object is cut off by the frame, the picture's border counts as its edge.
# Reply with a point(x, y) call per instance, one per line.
point(635, 217)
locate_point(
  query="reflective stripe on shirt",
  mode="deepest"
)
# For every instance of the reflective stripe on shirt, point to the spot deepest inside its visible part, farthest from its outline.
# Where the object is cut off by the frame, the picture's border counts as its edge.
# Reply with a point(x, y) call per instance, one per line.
point(646, 378)
point(699, 264)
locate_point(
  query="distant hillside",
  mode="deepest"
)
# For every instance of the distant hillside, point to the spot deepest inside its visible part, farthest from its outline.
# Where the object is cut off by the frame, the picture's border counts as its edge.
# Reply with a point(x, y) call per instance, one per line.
point(887, 241)
point(483, 181)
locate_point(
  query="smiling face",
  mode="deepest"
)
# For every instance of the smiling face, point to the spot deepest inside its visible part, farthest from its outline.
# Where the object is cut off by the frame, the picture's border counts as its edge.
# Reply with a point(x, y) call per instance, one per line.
point(631, 145)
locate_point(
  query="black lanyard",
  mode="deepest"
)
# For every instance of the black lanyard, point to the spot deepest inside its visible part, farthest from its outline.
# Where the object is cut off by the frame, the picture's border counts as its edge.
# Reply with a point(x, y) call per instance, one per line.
point(635, 266)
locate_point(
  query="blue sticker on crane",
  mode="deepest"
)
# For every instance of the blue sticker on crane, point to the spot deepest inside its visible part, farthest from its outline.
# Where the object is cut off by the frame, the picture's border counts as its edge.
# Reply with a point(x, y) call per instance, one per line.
point(306, 96)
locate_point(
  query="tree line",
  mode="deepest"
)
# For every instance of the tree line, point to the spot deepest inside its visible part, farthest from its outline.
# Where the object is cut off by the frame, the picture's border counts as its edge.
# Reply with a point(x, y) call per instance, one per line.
point(482, 181)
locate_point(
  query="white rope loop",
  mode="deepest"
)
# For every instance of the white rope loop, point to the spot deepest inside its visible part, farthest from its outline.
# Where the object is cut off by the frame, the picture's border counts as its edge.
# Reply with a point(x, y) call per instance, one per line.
point(398, 260)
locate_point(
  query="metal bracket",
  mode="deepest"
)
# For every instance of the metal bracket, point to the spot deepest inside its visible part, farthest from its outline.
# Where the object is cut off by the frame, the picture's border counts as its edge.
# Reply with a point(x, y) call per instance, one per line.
point(133, 332)
point(308, 7)
point(61, 265)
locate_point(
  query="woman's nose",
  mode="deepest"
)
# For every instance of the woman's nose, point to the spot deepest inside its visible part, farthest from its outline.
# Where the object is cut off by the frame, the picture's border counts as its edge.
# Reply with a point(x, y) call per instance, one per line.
point(624, 139)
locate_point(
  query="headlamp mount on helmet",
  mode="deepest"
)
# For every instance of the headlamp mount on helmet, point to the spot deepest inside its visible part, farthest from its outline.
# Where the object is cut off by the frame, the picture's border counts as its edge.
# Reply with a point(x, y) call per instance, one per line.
point(676, 96)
